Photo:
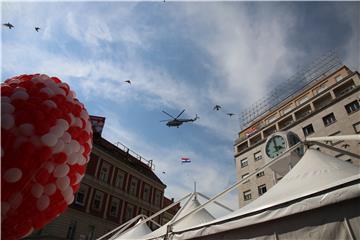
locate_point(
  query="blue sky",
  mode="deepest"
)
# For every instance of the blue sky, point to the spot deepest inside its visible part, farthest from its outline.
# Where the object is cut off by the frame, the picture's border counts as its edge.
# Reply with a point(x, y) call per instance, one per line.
point(179, 55)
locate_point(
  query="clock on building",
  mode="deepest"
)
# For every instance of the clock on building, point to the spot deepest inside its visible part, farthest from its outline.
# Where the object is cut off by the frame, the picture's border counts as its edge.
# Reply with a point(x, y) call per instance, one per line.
point(278, 143)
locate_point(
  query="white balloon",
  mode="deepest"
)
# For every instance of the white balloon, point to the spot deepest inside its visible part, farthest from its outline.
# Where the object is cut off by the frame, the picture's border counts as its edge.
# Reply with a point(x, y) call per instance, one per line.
point(75, 146)
point(59, 147)
point(43, 202)
point(19, 94)
point(50, 189)
point(5, 99)
point(7, 107)
point(37, 190)
point(63, 123)
point(7, 121)
point(48, 91)
point(70, 199)
point(5, 206)
point(67, 149)
point(12, 175)
point(50, 167)
point(67, 192)
point(50, 103)
point(66, 137)
point(61, 170)
point(49, 139)
point(57, 131)
point(73, 158)
point(63, 183)
point(16, 200)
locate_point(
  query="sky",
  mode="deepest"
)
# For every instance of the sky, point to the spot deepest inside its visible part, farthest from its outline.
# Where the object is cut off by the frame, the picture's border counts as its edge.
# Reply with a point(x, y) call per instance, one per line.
point(178, 55)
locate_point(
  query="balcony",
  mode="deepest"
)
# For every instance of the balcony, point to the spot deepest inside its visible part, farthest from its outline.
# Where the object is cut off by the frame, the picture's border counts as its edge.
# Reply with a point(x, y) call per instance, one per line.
point(303, 112)
point(285, 122)
point(322, 101)
point(344, 88)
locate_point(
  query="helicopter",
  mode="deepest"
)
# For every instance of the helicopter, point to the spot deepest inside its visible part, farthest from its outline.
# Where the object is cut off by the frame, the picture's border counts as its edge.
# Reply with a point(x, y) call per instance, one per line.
point(176, 122)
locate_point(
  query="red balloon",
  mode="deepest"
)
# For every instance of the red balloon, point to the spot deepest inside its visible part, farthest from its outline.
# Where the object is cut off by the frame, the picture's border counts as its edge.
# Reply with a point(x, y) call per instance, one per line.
point(42, 127)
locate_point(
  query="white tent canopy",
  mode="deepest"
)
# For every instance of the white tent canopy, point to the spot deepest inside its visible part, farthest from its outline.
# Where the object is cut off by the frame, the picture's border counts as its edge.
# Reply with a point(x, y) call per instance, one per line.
point(318, 184)
point(318, 199)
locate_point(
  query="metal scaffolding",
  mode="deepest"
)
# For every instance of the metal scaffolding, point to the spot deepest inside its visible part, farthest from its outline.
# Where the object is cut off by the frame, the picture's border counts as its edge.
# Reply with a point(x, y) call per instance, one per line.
point(320, 68)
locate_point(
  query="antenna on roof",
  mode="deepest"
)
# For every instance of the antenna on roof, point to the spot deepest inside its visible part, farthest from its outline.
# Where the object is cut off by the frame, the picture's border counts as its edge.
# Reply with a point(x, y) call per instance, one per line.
point(195, 194)
point(321, 67)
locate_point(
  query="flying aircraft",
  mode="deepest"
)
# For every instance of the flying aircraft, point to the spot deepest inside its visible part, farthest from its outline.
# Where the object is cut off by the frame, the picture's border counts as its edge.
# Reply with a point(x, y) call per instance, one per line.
point(217, 107)
point(176, 122)
point(9, 25)
point(37, 29)
point(230, 114)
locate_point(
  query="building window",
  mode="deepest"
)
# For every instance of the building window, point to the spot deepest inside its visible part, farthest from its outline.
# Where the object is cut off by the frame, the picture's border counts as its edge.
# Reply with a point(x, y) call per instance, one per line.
point(244, 176)
point(356, 127)
point(91, 233)
point(157, 198)
point(287, 109)
point(247, 195)
point(338, 78)
point(244, 162)
point(104, 171)
point(146, 193)
point(81, 195)
point(271, 119)
point(71, 230)
point(308, 130)
point(129, 212)
point(320, 89)
point(303, 99)
point(257, 156)
point(352, 107)
point(114, 207)
point(133, 186)
point(260, 174)
point(329, 119)
point(262, 189)
point(98, 200)
point(119, 180)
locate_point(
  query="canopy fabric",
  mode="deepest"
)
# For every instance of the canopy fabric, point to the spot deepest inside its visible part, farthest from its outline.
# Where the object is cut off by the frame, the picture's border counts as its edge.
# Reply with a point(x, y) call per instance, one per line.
point(316, 182)
point(139, 230)
point(202, 216)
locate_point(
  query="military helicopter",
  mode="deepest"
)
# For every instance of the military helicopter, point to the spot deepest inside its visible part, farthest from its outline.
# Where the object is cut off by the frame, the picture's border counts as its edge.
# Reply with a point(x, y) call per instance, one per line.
point(176, 122)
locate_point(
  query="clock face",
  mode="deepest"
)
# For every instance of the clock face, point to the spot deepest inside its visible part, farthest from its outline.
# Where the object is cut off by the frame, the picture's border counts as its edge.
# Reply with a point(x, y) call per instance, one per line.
point(275, 146)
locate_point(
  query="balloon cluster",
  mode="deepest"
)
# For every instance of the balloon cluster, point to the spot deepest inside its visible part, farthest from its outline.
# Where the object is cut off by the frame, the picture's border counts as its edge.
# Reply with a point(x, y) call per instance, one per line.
point(46, 139)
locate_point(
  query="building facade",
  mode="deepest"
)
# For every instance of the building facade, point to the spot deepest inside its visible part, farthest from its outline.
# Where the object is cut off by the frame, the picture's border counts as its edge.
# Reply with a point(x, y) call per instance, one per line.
point(325, 107)
point(117, 186)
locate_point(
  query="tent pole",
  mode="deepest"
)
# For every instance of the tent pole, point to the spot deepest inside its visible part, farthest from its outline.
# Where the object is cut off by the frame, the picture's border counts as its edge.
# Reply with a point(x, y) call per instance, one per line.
point(119, 228)
point(158, 213)
point(220, 204)
point(347, 226)
point(335, 149)
point(229, 189)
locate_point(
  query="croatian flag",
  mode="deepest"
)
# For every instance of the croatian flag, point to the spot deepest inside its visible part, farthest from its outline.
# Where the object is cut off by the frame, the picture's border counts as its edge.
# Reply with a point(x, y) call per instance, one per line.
point(185, 160)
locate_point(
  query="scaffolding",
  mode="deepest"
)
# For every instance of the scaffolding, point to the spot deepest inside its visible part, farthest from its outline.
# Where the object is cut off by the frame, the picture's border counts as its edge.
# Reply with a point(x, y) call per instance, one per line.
point(320, 68)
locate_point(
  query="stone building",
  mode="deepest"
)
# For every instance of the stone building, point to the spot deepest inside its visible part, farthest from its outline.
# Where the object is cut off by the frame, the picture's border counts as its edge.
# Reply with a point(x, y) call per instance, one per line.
point(327, 106)
point(119, 184)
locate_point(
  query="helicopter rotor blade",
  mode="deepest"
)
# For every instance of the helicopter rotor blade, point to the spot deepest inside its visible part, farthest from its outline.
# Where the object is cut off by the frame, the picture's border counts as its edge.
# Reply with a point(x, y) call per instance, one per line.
point(180, 113)
point(168, 114)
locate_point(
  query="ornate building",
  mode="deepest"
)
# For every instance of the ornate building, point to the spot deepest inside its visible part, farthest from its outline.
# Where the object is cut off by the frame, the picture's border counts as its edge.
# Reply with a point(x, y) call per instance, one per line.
point(119, 184)
point(326, 106)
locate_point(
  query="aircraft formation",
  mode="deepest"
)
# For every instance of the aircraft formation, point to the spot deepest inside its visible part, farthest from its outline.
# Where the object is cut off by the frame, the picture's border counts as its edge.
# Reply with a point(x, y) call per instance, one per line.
point(174, 121)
